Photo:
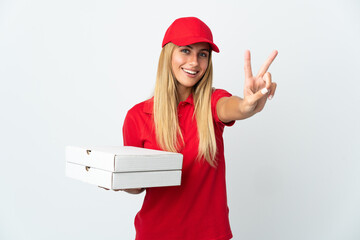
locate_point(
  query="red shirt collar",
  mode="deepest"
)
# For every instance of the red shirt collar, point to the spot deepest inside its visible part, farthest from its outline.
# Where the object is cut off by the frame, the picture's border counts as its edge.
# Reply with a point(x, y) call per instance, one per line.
point(149, 104)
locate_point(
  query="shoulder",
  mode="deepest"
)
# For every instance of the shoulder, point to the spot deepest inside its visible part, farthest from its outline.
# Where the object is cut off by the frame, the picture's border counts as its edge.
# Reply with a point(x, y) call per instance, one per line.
point(141, 108)
point(137, 118)
point(140, 113)
point(218, 93)
point(135, 122)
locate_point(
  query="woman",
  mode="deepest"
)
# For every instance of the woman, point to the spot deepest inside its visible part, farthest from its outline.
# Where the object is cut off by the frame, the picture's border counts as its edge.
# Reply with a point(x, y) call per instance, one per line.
point(188, 116)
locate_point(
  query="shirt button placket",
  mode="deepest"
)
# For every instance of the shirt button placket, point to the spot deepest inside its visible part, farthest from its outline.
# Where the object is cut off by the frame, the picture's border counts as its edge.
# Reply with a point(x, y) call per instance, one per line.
point(180, 109)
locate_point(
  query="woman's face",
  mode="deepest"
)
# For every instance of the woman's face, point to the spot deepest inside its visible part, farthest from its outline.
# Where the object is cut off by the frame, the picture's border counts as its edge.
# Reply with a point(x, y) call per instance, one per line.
point(189, 64)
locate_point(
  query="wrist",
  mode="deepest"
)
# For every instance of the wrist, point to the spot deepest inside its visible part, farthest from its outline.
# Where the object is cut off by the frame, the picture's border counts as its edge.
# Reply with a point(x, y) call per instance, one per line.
point(246, 109)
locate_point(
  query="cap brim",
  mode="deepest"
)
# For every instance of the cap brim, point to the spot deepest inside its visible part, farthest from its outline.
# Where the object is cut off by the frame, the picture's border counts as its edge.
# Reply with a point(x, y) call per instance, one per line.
point(187, 41)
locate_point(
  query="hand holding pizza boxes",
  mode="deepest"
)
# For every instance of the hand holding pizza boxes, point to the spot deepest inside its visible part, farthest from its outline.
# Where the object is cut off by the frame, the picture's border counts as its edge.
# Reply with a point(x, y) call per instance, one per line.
point(124, 167)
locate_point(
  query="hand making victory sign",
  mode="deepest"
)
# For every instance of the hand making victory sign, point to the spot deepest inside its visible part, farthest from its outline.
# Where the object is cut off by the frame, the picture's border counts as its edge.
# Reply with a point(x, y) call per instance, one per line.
point(257, 89)
point(257, 86)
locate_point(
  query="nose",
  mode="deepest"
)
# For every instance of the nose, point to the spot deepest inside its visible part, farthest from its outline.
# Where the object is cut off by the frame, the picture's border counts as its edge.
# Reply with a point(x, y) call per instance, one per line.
point(193, 61)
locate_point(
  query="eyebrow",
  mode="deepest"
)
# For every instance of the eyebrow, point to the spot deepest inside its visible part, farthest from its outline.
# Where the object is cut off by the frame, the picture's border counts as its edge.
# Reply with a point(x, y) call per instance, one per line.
point(204, 49)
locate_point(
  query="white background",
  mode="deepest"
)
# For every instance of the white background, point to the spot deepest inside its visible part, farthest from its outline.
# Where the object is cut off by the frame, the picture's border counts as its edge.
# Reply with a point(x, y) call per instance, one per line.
point(70, 70)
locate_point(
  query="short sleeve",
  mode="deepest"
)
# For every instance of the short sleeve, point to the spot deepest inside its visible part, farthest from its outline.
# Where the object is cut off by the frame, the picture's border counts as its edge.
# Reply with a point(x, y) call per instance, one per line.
point(216, 95)
point(131, 133)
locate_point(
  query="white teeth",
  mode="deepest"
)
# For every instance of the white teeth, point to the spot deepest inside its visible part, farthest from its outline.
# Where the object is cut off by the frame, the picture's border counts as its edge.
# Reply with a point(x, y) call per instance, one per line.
point(188, 71)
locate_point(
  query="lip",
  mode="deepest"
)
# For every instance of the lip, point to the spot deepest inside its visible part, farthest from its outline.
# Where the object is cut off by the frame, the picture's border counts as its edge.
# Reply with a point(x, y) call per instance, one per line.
point(188, 74)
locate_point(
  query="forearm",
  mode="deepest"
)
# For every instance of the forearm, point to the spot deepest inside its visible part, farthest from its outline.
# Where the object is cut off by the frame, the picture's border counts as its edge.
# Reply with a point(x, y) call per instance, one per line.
point(232, 108)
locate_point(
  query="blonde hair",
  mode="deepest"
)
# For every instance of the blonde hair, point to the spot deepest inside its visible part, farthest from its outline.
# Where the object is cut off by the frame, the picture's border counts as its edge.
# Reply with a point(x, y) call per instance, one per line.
point(166, 99)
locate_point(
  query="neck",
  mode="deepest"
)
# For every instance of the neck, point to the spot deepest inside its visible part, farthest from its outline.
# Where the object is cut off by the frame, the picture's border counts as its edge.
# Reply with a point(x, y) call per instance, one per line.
point(183, 93)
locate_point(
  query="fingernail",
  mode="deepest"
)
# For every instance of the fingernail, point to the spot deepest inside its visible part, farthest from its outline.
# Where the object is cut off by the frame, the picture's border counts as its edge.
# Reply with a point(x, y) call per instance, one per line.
point(270, 97)
point(264, 90)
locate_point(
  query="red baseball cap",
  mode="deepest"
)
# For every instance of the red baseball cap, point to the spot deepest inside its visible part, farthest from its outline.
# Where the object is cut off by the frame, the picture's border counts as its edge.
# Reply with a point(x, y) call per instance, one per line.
point(189, 30)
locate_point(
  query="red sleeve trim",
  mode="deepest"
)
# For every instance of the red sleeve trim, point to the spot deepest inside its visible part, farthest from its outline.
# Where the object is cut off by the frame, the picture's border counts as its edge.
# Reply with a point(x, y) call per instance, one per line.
point(216, 95)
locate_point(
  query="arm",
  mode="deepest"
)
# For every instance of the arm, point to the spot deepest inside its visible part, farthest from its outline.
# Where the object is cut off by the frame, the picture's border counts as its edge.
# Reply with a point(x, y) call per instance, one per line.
point(130, 138)
point(257, 90)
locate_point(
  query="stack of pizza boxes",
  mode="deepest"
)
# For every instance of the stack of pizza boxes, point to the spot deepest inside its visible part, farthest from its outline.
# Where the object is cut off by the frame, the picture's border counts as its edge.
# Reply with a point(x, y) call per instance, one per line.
point(123, 167)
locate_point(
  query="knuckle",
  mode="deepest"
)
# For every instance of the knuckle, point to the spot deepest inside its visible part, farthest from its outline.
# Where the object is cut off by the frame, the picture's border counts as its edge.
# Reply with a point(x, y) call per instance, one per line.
point(268, 76)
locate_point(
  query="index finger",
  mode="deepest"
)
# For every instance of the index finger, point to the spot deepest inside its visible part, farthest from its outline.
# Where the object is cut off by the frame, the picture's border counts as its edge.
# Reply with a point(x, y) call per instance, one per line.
point(267, 64)
point(247, 65)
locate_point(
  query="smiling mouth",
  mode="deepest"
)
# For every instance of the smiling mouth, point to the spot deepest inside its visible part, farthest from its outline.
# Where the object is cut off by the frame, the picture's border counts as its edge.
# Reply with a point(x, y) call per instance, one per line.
point(189, 71)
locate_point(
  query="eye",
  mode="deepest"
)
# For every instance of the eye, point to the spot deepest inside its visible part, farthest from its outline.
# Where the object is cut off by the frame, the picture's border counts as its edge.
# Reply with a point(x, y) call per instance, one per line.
point(203, 54)
point(185, 50)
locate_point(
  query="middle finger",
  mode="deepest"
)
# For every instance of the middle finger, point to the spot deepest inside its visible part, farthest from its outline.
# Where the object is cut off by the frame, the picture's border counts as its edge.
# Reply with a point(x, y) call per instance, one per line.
point(267, 64)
